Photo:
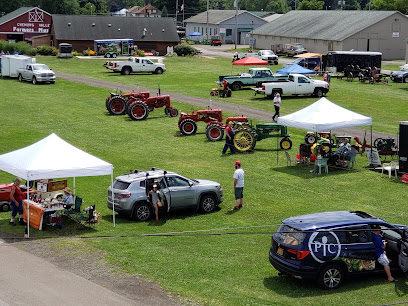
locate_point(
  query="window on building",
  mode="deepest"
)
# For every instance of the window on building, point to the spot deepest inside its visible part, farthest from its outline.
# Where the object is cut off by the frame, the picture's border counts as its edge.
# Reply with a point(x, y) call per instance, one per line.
point(229, 32)
point(315, 41)
point(194, 29)
point(210, 31)
point(330, 46)
point(202, 30)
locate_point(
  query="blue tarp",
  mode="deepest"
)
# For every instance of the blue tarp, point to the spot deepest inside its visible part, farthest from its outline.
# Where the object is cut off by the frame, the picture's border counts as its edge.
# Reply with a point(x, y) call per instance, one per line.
point(295, 68)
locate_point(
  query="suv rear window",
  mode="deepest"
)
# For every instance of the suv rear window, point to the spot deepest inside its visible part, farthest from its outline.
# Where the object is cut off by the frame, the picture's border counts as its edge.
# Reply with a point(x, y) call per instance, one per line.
point(120, 185)
point(288, 235)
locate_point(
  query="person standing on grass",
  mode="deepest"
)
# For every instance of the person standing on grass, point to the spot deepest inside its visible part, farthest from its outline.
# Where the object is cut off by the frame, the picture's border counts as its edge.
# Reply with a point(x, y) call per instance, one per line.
point(229, 139)
point(16, 202)
point(155, 199)
point(238, 185)
point(276, 103)
point(380, 252)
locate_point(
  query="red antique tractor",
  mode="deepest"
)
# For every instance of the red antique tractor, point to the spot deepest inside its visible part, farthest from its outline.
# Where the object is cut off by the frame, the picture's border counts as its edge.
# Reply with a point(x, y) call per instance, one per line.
point(116, 103)
point(5, 190)
point(213, 117)
point(138, 109)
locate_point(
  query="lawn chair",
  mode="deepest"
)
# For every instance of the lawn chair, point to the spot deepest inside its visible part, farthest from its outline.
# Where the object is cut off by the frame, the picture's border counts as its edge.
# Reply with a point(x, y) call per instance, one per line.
point(87, 217)
point(321, 163)
point(289, 160)
point(76, 210)
point(390, 167)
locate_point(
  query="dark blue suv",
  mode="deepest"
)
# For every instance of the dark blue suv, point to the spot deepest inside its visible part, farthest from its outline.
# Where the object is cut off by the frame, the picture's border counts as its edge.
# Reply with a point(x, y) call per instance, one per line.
point(329, 246)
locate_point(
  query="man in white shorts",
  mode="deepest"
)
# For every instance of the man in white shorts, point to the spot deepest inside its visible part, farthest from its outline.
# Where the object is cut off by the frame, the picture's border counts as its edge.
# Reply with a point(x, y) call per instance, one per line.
point(380, 252)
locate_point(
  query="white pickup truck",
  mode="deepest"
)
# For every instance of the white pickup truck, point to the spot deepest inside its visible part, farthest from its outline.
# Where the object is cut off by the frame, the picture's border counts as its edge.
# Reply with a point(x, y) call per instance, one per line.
point(135, 64)
point(36, 73)
point(265, 55)
point(296, 84)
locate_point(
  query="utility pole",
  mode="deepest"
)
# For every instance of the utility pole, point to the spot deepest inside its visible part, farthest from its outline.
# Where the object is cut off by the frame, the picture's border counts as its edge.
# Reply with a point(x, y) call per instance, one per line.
point(208, 8)
point(236, 22)
point(176, 11)
point(184, 8)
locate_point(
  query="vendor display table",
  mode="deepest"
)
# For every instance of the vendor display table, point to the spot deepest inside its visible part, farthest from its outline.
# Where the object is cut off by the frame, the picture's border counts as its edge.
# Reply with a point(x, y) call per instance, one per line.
point(37, 212)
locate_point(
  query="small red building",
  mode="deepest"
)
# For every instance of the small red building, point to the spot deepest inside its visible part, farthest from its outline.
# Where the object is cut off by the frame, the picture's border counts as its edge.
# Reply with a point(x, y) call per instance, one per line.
point(25, 23)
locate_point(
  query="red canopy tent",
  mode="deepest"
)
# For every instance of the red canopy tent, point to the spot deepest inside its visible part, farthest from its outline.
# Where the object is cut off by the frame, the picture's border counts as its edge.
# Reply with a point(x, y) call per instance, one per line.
point(250, 61)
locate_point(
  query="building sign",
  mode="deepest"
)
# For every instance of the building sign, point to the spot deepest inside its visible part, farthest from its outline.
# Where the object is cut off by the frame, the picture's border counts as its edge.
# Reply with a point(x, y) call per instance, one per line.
point(395, 34)
point(222, 31)
point(35, 21)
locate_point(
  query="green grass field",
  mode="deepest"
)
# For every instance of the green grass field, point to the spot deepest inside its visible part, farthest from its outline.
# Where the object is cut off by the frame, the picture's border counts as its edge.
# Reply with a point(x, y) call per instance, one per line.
point(214, 270)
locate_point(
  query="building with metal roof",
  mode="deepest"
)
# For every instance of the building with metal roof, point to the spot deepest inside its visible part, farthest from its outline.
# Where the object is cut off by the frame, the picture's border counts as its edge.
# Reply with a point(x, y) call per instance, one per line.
point(323, 31)
point(149, 34)
point(224, 24)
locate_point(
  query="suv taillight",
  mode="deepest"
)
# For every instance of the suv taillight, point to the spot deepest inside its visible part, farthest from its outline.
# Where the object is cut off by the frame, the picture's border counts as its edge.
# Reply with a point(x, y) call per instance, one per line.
point(299, 254)
point(124, 195)
point(263, 87)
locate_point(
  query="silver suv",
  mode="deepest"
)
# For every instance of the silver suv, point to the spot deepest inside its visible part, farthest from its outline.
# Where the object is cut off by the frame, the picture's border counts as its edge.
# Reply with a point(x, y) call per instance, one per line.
point(177, 192)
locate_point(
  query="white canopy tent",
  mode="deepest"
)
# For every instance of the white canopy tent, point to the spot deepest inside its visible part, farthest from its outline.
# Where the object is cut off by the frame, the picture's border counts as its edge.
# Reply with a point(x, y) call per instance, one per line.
point(324, 115)
point(52, 157)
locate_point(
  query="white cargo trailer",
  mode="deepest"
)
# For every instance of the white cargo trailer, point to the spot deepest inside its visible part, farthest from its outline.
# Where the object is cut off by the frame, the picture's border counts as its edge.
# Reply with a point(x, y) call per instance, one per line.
point(10, 64)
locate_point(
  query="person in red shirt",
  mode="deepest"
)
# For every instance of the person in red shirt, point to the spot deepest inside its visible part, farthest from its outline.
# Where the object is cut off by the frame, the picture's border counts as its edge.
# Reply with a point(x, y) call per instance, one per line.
point(16, 202)
point(229, 139)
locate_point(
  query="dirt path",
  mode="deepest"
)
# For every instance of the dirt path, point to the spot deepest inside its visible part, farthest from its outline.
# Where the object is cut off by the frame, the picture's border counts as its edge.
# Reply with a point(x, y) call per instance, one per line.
point(75, 262)
point(255, 113)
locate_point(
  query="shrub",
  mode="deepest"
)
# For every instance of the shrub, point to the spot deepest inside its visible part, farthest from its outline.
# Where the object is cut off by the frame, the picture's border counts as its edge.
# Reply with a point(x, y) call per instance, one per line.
point(139, 53)
point(86, 52)
point(184, 49)
point(54, 51)
point(91, 52)
point(20, 47)
point(76, 53)
point(44, 50)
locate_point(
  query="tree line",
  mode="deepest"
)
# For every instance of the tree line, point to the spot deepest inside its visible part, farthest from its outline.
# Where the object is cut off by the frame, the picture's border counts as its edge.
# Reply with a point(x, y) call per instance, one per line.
point(192, 7)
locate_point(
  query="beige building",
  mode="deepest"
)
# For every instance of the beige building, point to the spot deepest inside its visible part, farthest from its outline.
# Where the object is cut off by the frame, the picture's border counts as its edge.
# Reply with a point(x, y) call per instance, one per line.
point(323, 31)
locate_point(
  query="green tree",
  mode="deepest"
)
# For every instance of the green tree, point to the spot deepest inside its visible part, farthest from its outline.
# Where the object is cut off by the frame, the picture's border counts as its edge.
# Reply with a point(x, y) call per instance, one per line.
point(311, 5)
point(278, 6)
point(383, 5)
point(9, 6)
point(165, 13)
point(351, 5)
point(402, 6)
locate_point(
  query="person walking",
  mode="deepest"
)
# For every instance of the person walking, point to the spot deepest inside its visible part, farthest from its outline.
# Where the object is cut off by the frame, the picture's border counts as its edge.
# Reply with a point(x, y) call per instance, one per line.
point(16, 202)
point(380, 252)
point(238, 185)
point(229, 139)
point(276, 103)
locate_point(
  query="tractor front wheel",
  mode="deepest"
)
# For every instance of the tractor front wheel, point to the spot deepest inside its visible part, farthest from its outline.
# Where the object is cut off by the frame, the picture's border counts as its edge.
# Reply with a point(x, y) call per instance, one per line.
point(214, 132)
point(286, 144)
point(117, 106)
point(174, 112)
point(167, 111)
point(188, 127)
point(310, 138)
point(138, 111)
point(244, 140)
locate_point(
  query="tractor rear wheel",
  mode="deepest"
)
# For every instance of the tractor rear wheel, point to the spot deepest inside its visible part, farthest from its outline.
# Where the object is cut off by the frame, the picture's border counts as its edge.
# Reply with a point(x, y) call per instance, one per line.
point(244, 140)
point(138, 111)
point(174, 112)
point(286, 144)
point(117, 106)
point(188, 127)
point(310, 138)
point(214, 132)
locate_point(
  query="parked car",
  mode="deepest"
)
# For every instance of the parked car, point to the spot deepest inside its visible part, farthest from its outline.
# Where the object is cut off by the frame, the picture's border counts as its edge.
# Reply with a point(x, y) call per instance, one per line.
point(400, 75)
point(177, 192)
point(265, 55)
point(296, 84)
point(135, 64)
point(293, 49)
point(36, 73)
point(328, 247)
point(216, 41)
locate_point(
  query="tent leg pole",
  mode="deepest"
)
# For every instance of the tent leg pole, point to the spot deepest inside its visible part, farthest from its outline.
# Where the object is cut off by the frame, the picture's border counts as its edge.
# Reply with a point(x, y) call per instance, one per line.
point(372, 147)
point(74, 187)
point(113, 201)
point(28, 209)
